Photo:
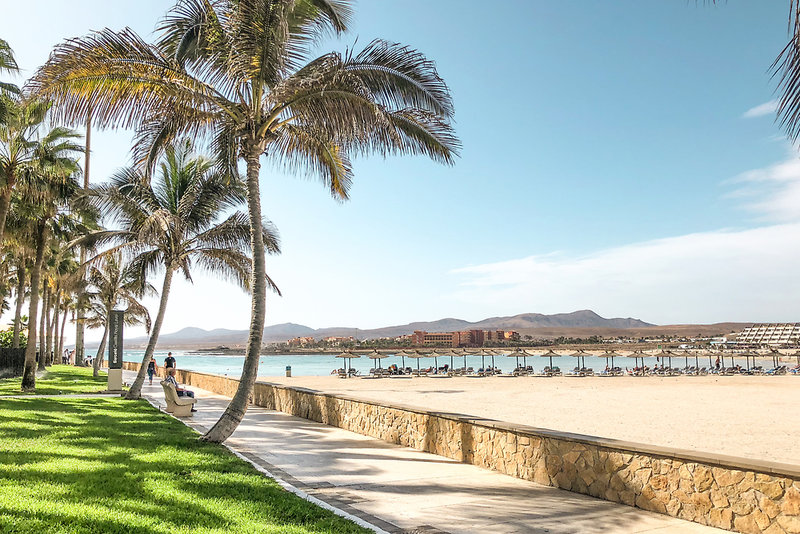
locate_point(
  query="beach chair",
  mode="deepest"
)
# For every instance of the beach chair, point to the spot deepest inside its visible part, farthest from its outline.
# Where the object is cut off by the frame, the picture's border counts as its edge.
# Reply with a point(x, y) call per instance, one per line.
point(342, 373)
point(177, 406)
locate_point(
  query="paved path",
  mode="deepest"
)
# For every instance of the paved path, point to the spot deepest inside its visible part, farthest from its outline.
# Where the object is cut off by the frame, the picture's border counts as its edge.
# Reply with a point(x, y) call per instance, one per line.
point(402, 490)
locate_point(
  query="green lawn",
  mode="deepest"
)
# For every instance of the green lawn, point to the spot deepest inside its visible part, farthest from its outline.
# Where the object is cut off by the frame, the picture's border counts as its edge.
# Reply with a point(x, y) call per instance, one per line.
point(110, 465)
point(59, 380)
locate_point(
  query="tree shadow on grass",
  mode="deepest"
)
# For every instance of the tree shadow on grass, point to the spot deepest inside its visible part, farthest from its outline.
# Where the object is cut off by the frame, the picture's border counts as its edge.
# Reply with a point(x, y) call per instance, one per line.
point(91, 460)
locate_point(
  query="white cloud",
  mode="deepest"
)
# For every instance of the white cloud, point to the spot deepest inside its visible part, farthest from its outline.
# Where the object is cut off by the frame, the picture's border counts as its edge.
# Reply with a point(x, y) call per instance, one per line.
point(767, 108)
point(772, 192)
point(747, 275)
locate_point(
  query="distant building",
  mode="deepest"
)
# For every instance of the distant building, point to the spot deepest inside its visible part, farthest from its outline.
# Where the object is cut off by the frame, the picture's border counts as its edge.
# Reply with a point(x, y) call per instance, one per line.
point(300, 341)
point(770, 334)
point(335, 341)
point(465, 338)
point(501, 335)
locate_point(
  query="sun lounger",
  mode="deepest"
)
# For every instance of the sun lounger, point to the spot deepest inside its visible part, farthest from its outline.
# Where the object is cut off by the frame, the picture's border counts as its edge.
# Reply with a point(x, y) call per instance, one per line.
point(177, 406)
point(575, 372)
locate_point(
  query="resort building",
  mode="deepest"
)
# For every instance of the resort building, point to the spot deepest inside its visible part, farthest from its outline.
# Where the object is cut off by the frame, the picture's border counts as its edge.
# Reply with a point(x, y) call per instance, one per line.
point(770, 334)
point(335, 341)
point(300, 341)
point(466, 338)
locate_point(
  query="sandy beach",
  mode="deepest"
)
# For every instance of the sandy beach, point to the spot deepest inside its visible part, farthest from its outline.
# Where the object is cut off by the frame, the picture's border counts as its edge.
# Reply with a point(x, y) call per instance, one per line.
point(748, 416)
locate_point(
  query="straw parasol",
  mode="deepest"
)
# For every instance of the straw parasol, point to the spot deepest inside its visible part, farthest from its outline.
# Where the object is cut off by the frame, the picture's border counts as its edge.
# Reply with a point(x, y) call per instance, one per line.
point(749, 354)
point(636, 355)
point(516, 355)
point(550, 354)
point(581, 355)
point(348, 357)
point(610, 354)
point(375, 355)
point(663, 353)
point(452, 353)
point(417, 355)
point(403, 355)
point(436, 354)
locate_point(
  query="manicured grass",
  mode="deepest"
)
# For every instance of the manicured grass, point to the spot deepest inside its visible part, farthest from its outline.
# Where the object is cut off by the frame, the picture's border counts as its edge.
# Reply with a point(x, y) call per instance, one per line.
point(59, 380)
point(110, 465)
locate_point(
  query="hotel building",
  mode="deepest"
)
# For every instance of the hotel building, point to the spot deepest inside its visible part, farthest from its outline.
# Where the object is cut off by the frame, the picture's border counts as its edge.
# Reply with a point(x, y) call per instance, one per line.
point(770, 334)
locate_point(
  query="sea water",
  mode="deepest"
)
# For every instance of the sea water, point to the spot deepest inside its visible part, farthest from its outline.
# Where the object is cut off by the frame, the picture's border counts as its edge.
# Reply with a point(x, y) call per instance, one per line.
point(324, 364)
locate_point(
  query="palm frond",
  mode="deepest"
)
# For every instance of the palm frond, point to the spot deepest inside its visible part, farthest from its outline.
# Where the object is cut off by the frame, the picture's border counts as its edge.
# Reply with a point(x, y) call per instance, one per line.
point(314, 152)
point(400, 77)
point(786, 69)
point(7, 61)
point(124, 79)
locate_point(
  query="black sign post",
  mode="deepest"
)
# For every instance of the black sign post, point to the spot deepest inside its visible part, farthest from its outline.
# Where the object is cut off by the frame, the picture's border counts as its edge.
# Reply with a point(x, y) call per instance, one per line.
point(115, 322)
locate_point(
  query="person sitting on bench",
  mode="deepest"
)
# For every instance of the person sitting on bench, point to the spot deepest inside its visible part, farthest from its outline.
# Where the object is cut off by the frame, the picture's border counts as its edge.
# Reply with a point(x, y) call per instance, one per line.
point(182, 392)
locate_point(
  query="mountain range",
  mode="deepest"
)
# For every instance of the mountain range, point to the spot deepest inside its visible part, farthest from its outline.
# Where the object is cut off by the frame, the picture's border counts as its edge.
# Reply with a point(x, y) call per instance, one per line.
point(526, 323)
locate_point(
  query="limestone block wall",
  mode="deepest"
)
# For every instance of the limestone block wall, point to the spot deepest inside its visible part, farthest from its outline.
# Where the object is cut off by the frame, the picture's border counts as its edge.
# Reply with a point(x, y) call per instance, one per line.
point(726, 492)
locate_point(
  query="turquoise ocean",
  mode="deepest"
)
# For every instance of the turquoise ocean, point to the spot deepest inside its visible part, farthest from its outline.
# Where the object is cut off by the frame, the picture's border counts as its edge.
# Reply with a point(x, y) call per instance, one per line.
point(322, 364)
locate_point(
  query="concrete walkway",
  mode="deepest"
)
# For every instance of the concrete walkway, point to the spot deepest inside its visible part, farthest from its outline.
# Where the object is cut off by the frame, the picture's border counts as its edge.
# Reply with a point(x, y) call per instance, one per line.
point(401, 490)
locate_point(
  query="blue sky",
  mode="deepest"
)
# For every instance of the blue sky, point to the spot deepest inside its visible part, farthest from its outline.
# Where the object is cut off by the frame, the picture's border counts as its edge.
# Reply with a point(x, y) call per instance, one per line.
point(609, 162)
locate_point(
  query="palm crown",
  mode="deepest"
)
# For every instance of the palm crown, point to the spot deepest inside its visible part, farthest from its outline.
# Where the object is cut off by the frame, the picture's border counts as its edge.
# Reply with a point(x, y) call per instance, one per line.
point(171, 221)
point(240, 74)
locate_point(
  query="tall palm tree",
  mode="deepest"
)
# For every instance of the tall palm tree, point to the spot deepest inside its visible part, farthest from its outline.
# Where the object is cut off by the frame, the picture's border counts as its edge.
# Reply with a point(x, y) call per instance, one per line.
point(169, 222)
point(113, 284)
point(241, 74)
point(48, 190)
point(23, 151)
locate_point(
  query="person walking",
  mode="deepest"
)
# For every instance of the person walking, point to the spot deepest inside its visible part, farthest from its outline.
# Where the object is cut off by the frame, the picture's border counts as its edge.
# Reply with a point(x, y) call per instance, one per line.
point(169, 362)
point(152, 368)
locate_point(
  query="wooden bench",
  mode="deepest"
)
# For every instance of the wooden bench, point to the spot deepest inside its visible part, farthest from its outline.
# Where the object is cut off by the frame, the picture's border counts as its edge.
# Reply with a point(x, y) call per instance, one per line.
point(178, 406)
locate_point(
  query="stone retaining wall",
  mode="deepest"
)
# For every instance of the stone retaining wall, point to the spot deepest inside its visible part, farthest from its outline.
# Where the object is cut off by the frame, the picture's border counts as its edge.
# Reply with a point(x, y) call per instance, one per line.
point(726, 492)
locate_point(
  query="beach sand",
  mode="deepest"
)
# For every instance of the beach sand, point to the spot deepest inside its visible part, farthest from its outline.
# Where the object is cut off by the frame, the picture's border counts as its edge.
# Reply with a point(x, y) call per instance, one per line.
point(753, 417)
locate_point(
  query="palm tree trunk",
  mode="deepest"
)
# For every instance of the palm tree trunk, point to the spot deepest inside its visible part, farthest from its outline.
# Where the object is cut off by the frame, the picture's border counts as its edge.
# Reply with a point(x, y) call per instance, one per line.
point(100, 350)
point(48, 339)
point(80, 324)
point(20, 299)
point(29, 374)
point(135, 391)
point(5, 203)
point(42, 326)
point(61, 337)
point(53, 330)
point(235, 411)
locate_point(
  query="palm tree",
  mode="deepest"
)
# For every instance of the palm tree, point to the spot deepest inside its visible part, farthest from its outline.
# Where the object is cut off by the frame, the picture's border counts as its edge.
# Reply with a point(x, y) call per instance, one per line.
point(48, 189)
point(113, 284)
point(23, 152)
point(169, 222)
point(240, 73)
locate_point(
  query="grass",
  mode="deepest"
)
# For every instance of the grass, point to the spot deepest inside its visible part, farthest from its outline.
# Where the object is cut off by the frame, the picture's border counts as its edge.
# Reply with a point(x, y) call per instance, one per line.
point(109, 465)
point(59, 380)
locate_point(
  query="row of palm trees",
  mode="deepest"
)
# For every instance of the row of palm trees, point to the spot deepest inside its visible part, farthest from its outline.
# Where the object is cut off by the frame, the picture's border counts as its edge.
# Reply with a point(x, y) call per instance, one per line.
point(237, 77)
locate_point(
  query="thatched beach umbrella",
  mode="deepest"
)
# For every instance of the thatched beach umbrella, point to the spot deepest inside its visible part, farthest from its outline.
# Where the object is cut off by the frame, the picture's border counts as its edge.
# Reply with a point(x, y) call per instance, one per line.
point(516, 354)
point(417, 355)
point(610, 354)
point(375, 355)
point(581, 355)
point(662, 355)
point(402, 355)
point(636, 355)
point(453, 353)
point(436, 354)
point(550, 354)
point(491, 353)
point(348, 358)
point(749, 354)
